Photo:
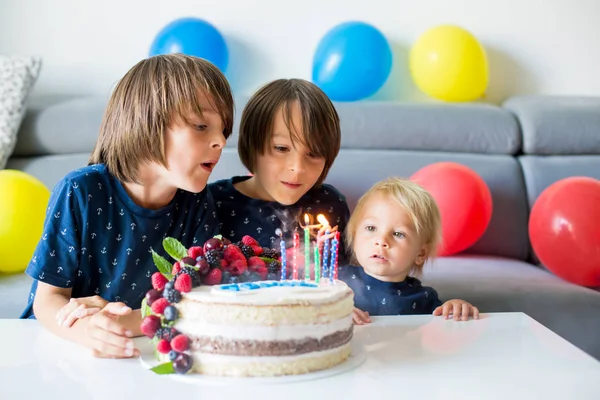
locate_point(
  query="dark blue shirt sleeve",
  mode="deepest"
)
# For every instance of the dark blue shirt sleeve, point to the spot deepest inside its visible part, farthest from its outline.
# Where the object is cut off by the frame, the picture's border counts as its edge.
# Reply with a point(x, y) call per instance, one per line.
point(56, 258)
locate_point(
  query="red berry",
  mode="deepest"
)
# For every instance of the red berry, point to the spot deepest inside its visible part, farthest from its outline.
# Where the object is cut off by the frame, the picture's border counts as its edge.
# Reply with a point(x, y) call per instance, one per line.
point(195, 252)
point(180, 343)
point(152, 295)
point(212, 244)
point(232, 252)
point(226, 241)
point(224, 264)
point(149, 325)
point(183, 283)
point(159, 281)
point(176, 268)
point(158, 307)
point(255, 263)
point(188, 261)
point(213, 277)
point(163, 346)
point(249, 241)
point(237, 267)
point(257, 250)
point(203, 267)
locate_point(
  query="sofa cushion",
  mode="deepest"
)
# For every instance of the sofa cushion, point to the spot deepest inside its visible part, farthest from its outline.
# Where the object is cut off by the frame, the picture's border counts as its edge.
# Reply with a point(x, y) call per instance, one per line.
point(558, 125)
point(49, 169)
point(17, 77)
point(503, 285)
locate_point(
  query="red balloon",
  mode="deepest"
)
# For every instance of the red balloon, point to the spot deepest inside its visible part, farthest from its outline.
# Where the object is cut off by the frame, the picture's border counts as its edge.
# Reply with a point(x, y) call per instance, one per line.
point(564, 228)
point(464, 200)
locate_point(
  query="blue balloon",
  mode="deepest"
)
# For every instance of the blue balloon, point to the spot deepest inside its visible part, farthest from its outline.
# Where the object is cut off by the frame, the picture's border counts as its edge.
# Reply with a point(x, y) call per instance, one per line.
point(194, 37)
point(352, 61)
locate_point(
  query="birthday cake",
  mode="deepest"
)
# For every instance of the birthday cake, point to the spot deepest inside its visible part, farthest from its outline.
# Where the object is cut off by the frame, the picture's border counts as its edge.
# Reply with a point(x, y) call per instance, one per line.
point(226, 309)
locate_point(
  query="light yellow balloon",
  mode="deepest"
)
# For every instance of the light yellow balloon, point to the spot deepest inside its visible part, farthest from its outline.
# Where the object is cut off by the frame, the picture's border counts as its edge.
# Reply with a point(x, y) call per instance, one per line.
point(448, 63)
point(23, 203)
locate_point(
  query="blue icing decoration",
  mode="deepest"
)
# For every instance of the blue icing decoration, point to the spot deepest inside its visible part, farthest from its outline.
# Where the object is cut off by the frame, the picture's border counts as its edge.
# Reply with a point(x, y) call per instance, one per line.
point(236, 287)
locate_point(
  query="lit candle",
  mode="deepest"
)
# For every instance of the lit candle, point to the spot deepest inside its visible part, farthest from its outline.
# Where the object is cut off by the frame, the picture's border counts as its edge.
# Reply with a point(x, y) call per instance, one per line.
point(296, 249)
point(334, 250)
point(306, 249)
point(325, 258)
point(317, 268)
point(324, 224)
point(335, 265)
point(283, 260)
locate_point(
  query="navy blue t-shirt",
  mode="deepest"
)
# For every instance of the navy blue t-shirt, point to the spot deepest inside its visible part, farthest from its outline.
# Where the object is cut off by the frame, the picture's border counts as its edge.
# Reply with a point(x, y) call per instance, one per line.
point(97, 241)
point(241, 215)
point(408, 297)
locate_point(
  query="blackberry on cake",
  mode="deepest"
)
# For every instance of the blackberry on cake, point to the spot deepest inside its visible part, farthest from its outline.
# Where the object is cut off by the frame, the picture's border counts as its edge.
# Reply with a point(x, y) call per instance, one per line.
point(213, 257)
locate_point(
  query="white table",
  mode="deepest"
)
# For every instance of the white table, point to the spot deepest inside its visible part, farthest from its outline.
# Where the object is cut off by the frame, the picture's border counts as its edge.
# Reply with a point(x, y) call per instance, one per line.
point(501, 356)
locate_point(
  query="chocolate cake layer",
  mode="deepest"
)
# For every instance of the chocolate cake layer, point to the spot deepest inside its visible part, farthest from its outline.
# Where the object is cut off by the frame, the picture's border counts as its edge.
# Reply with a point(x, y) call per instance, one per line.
point(269, 348)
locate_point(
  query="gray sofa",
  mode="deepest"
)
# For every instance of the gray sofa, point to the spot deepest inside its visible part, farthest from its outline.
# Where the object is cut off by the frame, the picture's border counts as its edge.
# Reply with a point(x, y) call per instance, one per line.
point(519, 149)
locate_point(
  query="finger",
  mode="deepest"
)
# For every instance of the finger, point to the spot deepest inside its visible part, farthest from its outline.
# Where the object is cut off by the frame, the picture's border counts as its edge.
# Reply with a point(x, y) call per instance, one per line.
point(456, 311)
point(465, 311)
point(363, 315)
point(67, 309)
point(357, 320)
point(446, 310)
point(104, 350)
point(438, 311)
point(87, 312)
point(475, 313)
point(72, 316)
point(117, 308)
point(111, 343)
point(104, 321)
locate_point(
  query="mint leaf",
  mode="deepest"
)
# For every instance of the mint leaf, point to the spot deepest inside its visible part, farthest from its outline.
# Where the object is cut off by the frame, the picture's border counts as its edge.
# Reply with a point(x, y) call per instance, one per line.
point(174, 248)
point(163, 369)
point(145, 308)
point(163, 266)
point(267, 260)
point(220, 237)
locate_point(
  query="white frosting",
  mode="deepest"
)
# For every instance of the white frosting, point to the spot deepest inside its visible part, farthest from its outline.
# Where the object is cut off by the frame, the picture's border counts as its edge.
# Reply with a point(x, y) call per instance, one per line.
point(324, 293)
point(263, 333)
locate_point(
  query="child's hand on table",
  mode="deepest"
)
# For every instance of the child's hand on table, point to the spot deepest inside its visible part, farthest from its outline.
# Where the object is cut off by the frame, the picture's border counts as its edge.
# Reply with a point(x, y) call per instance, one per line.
point(460, 309)
point(78, 308)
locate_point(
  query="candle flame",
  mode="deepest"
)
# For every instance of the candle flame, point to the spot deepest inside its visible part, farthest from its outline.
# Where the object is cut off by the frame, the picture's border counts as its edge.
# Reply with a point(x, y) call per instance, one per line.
point(322, 220)
point(306, 220)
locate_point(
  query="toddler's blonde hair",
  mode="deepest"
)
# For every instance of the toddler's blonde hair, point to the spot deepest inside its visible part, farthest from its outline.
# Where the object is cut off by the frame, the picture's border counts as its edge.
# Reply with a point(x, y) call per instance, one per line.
point(416, 201)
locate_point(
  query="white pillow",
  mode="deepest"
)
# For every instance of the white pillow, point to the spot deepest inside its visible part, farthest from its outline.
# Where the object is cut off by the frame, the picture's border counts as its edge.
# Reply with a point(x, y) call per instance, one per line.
point(17, 77)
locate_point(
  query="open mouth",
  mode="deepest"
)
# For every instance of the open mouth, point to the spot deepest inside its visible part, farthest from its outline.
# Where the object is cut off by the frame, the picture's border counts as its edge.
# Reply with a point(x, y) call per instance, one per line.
point(378, 257)
point(292, 185)
point(209, 165)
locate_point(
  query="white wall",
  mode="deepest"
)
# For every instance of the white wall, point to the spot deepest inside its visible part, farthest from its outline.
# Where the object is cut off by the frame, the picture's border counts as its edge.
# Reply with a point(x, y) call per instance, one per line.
point(534, 46)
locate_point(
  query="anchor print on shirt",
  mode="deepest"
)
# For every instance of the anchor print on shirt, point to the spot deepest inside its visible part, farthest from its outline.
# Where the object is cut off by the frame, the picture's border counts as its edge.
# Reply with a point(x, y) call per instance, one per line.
point(205, 206)
point(69, 193)
point(110, 200)
point(133, 285)
point(133, 225)
point(109, 226)
point(71, 249)
point(119, 238)
point(144, 238)
point(156, 227)
point(99, 186)
point(41, 276)
point(195, 241)
point(45, 237)
point(99, 210)
point(103, 251)
point(246, 221)
point(89, 198)
point(399, 292)
point(59, 269)
point(121, 213)
point(414, 305)
point(137, 261)
point(34, 259)
point(383, 302)
point(368, 287)
point(114, 262)
point(231, 234)
point(108, 285)
point(123, 276)
point(148, 274)
point(83, 250)
point(93, 235)
point(233, 213)
point(206, 226)
point(99, 270)
point(219, 204)
point(128, 251)
point(259, 229)
point(63, 232)
point(97, 291)
point(53, 253)
point(79, 272)
point(57, 215)
point(75, 185)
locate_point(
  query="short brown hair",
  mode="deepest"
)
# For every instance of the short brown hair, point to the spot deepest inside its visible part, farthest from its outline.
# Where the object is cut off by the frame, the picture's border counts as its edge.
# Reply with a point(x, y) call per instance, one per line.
point(416, 201)
point(145, 101)
point(320, 121)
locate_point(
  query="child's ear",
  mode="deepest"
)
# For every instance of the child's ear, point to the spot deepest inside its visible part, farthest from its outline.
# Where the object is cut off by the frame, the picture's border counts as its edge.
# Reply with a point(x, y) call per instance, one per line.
point(422, 256)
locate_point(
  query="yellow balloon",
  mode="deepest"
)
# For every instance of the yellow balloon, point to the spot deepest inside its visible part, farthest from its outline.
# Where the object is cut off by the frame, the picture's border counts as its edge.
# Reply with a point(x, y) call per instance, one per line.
point(448, 63)
point(23, 203)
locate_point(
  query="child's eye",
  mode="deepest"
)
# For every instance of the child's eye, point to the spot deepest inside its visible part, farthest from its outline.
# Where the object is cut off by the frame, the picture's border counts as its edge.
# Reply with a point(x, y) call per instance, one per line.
point(313, 155)
point(370, 228)
point(201, 127)
point(281, 149)
point(399, 235)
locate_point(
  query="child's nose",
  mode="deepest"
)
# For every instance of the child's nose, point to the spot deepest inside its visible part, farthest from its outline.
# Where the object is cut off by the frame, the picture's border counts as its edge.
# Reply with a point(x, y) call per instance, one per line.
point(296, 164)
point(218, 141)
point(381, 242)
